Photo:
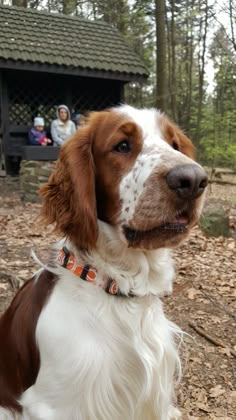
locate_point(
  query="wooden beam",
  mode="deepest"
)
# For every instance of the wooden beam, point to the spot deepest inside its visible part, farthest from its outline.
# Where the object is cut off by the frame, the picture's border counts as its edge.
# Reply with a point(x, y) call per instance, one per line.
point(71, 71)
point(40, 153)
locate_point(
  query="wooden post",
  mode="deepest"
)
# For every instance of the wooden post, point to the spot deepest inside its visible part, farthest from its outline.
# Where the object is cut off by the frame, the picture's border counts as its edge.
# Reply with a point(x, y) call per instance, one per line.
point(2, 127)
point(122, 92)
point(68, 95)
point(5, 119)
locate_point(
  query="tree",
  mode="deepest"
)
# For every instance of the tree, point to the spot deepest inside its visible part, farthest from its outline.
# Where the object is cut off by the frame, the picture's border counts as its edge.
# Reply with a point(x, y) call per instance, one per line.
point(171, 27)
point(219, 117)
point(232, 17)
point(69, 7)
point(201, 63)
point(161, 56)
point(20, 3)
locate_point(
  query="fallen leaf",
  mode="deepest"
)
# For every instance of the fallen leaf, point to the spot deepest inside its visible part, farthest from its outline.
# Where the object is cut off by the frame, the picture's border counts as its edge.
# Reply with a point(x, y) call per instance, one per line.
point(193, 293)
point(216, 391)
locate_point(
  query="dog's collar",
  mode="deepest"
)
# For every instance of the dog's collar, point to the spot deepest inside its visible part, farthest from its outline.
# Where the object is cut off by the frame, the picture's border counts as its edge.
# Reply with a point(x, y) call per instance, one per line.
point(67, 260)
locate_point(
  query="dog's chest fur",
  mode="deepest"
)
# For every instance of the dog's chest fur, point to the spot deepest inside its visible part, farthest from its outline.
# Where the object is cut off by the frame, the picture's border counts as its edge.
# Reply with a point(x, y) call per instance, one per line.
point(102, 359)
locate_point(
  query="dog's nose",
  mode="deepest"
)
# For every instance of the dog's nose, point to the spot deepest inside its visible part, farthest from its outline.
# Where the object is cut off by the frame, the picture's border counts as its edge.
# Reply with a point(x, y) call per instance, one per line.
point(188, 181)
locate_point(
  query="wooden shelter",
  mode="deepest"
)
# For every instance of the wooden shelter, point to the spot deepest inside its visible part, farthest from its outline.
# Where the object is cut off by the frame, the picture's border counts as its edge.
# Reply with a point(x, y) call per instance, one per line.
point(49, 59)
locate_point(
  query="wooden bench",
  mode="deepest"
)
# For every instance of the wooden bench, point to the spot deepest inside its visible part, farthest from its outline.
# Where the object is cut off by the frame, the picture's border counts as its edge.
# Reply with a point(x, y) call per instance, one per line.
point(40, 152)
point(16, 148)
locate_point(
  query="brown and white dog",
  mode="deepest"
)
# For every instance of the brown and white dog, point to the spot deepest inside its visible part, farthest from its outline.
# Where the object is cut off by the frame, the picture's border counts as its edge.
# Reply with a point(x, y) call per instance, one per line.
point(87, 338)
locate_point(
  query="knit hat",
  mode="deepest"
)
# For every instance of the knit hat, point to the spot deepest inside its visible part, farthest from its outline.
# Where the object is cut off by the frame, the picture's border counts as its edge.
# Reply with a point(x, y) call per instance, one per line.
point(38, 121)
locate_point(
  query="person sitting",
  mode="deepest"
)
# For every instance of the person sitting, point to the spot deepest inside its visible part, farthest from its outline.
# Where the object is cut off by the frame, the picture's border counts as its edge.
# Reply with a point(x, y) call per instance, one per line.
point(62, 127)
point(37, 135)
point(76, 117)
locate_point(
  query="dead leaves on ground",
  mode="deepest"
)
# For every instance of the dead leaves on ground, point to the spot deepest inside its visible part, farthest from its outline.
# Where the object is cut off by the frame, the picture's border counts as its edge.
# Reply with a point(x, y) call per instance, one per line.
point(204, 293)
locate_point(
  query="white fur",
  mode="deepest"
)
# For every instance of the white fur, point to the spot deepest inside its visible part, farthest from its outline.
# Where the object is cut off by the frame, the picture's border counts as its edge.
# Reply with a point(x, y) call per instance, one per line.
point(156, 155)
point(105, 357)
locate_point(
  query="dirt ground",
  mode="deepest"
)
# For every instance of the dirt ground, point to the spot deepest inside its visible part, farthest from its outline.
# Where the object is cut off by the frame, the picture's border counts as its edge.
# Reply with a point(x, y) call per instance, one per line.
point(204, 295)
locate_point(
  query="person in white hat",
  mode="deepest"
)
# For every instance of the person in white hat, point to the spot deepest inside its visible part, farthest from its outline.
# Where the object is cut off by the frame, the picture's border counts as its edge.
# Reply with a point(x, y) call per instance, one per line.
point(37, 135)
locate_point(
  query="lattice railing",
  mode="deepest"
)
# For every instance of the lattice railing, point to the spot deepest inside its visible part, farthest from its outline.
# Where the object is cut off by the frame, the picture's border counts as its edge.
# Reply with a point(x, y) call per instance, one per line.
point(93, 100)
point(26, 102)
point(29, 99)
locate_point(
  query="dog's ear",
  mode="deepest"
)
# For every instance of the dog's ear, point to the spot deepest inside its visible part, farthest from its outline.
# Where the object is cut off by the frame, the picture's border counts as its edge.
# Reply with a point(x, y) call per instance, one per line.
point(69, 198)
point(176, 137)
point(186, 146)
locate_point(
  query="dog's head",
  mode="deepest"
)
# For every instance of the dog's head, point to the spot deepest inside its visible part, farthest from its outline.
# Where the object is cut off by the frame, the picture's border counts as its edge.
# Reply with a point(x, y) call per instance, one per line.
point(132, 169)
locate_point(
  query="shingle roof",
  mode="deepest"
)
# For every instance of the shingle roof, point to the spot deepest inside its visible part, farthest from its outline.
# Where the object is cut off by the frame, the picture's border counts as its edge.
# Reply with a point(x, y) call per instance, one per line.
point(39, 37)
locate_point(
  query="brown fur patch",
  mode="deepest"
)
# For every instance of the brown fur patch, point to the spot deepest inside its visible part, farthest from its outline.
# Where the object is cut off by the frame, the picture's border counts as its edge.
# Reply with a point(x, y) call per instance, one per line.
point(69, 195)
point(85, 184)
point(112, 166)
point(19, 356)
point(176, 138)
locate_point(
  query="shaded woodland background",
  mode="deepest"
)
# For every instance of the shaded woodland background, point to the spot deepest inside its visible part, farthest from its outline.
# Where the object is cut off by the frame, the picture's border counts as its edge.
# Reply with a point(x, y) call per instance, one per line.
point(184, 43)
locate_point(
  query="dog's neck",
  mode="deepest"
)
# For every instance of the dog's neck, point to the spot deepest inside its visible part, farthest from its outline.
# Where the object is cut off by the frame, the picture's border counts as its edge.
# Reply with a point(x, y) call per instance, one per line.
point(143, 272)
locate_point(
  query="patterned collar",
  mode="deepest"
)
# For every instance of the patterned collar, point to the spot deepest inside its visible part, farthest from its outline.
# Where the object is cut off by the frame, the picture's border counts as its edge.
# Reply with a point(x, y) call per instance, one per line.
point(67, 260)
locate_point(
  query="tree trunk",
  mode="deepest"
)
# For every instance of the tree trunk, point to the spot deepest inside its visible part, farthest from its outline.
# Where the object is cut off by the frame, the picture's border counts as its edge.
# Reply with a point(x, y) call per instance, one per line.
point(115, 12)
point(201, 58)
point(161, 65)
point(173, 63)
point(69, 7)
point(232, 23)
point(189, 65)
point(19, 3)
point(169, 62)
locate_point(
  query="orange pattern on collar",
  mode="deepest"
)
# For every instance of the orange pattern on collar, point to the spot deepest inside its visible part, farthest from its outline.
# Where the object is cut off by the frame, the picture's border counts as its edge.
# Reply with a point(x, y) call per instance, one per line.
point(68, 260)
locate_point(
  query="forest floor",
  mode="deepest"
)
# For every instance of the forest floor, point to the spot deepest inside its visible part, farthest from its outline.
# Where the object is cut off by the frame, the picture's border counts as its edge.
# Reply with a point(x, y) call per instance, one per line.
point(204, 295)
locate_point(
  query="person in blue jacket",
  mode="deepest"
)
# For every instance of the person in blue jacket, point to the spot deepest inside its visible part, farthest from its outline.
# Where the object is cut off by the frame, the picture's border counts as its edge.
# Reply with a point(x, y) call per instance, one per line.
point(37, 135)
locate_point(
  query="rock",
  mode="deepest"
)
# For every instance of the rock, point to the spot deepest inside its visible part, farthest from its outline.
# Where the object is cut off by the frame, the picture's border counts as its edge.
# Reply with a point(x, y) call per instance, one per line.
point(30, 163)
point(32, 175)
point(45, 171)
point(32, 198)
point(215, 222)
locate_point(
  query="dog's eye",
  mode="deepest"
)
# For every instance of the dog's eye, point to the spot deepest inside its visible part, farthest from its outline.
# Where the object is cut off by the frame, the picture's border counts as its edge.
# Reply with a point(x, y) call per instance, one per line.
point(175, 145)
point(122, 147)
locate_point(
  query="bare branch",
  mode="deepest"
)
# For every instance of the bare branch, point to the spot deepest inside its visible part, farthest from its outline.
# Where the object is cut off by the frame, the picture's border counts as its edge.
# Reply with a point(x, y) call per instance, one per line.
point(212, 340)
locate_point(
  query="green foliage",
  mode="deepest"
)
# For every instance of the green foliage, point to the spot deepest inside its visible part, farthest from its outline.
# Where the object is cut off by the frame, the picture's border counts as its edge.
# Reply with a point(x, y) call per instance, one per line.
point(223, 154)
point(218, 142)
point(141, 36)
